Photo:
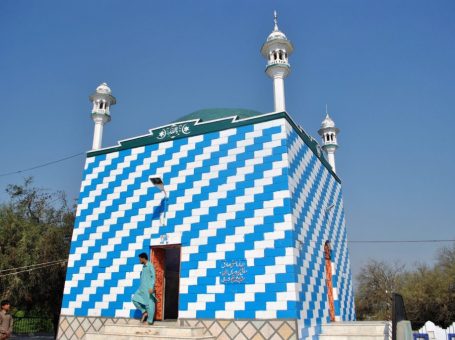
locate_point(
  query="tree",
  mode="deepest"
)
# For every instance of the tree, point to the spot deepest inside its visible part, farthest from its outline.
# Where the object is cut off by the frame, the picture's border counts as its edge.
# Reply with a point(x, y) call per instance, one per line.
point(428, 291)
point(376, 281)
point(35, 227)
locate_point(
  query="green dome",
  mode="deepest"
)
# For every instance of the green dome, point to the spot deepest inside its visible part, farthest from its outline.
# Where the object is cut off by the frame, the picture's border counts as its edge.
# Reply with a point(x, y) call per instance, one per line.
point(206, 115)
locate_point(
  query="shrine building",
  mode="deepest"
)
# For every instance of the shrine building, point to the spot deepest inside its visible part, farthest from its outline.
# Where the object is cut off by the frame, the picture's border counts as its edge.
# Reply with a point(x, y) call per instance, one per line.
point(241, 212)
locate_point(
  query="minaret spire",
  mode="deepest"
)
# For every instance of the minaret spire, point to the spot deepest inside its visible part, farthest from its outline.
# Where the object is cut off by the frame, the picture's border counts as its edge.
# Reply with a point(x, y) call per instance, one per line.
point(329, 132)
point(102, 100)
point(275, 20)
point(276, 50)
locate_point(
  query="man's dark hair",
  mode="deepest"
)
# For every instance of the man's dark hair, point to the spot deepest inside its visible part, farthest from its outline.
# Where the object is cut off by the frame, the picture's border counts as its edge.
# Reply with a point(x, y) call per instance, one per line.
point(5, 302)
point(143, 256)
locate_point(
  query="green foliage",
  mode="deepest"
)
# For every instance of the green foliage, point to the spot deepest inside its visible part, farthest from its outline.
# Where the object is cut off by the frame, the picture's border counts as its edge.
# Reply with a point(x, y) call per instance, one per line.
point(32, 325)
point(428, 292)
point(19, 314)
point(35, 227)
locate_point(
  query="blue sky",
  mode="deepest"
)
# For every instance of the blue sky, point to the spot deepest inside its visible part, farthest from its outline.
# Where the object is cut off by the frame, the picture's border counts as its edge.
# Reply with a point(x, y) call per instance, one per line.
point(386, 69)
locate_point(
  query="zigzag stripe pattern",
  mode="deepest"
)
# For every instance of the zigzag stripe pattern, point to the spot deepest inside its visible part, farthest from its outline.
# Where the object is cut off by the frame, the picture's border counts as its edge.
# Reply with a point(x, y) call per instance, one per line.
point(228, 199)
point(255, 194)
point(313, 190)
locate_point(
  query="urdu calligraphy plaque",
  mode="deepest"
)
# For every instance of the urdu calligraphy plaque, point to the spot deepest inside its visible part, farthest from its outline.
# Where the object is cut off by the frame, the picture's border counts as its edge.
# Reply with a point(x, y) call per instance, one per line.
point(233, 271)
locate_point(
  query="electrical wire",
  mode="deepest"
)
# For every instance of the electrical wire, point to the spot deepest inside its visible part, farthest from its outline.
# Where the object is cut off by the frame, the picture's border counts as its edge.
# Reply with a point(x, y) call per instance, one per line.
point(41, 165)
point(29, 270)
point(32, 265)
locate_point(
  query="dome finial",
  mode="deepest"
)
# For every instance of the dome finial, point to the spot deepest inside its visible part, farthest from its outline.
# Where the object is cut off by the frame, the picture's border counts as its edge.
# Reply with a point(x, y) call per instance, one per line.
point(275, 20)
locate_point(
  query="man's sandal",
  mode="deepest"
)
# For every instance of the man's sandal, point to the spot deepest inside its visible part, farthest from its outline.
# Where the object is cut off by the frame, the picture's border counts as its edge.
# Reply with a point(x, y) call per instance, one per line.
point(144, 317)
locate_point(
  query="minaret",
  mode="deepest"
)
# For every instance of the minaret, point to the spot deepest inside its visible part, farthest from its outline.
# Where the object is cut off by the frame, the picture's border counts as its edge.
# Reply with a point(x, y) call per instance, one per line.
point(276, 50)
point(102, 100)
point(329, 132)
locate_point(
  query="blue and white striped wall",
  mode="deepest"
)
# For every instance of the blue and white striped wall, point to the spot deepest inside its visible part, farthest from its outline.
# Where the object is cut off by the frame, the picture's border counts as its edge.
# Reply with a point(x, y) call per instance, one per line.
point(253, 194)
point(317, 217)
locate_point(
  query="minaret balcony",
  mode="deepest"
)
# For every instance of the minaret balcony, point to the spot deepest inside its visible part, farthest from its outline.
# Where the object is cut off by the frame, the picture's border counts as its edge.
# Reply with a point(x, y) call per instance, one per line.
point(278, 62)
point(330, 147)
point(101, 112)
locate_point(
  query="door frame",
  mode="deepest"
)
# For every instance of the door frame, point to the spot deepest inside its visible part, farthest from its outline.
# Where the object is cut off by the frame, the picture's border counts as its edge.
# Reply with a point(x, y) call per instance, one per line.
point(329, 279)
point(158, 260)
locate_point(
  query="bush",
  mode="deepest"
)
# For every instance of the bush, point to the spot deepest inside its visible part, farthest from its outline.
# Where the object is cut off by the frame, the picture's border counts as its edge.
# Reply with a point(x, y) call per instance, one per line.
point(32, 325)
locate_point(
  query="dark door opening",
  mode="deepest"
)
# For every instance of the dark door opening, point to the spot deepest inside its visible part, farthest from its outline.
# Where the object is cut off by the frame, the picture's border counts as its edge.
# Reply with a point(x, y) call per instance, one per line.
point(166, 260)
point(172, 276)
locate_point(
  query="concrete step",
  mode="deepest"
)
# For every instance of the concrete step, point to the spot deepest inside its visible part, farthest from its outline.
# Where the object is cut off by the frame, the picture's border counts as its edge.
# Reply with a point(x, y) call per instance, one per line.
point(351, 337)
point(162, 323)
point(137, 322)
point(160, 330)
point(355, 330)
point(110, 336)
point(166, 330)
point(361, 328)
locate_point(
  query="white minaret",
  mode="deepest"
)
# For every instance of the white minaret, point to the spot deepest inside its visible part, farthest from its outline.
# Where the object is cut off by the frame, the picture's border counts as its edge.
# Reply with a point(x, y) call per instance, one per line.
point(276, 50)
point(102, 100)
point(329, 132)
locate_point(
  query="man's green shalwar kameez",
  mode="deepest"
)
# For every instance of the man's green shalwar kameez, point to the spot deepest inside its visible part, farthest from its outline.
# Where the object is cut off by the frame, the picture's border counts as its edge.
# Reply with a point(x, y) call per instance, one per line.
point(142, 299)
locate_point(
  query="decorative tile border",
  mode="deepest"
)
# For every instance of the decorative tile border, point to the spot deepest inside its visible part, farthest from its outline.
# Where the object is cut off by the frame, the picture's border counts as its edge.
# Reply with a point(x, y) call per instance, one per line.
point(75, 327)
point(246, 329)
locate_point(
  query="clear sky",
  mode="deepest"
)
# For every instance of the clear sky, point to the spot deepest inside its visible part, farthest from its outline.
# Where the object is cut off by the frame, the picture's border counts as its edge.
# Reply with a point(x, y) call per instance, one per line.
point(386, 69)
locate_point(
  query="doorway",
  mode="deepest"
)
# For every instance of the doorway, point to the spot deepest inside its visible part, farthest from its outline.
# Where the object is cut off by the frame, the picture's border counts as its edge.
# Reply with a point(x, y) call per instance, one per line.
point(166, 260)
point(329, 282)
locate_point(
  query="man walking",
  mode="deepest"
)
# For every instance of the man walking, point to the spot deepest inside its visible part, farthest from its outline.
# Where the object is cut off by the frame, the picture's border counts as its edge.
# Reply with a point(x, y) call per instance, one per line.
point(144, 298)
point(6, 321)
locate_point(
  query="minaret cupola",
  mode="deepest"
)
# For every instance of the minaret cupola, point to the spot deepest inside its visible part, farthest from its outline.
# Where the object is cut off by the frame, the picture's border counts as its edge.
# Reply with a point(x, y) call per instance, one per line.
point(276, 50)
point(328, 133)
point(102, 100)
